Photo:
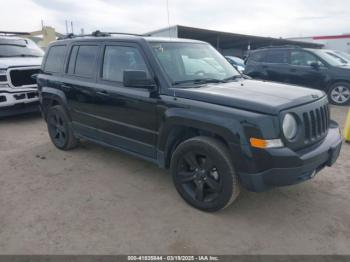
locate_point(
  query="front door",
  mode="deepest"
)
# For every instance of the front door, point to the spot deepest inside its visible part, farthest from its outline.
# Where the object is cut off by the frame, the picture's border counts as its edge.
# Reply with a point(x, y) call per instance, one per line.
point(125, 117)
point(302, 72)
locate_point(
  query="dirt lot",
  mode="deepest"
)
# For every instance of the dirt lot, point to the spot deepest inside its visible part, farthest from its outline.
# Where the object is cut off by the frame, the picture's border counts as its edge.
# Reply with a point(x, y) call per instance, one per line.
point(93, 200)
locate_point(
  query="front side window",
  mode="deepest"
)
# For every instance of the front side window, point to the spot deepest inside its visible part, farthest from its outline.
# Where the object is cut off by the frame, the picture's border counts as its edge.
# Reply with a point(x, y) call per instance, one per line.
point(302, 58)
point(117, 59)
point(185, 62)
point(277, 57)
point(55, 59)
point(86, 60)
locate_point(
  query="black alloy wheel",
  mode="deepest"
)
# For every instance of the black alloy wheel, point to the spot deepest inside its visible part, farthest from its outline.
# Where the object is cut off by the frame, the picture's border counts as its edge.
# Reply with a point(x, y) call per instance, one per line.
point(203, 174)
point(199, 176)
point(59, 129)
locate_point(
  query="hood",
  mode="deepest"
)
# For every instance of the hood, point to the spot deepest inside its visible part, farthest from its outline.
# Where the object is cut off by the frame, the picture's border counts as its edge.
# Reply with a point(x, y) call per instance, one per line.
point(252, 95)
point(344, 67)
point(7, 62)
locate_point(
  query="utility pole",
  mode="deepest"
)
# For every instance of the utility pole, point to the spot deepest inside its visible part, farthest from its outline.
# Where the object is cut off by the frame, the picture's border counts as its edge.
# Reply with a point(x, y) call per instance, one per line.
point(71, 25)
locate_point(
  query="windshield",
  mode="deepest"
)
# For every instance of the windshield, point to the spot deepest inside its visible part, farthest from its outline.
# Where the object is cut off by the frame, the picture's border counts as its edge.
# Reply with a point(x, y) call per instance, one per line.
point(191, 62)
point(331, 58)
point(344, 55)
point(19, 47)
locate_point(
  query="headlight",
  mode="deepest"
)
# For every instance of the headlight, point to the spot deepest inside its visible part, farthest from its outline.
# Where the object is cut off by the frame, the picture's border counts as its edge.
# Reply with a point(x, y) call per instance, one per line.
point(2, 72)
point(289, 126)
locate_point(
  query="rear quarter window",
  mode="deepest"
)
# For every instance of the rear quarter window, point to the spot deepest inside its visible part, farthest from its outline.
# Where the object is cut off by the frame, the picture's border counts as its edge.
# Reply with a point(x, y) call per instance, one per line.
point(256, 57)
point(55, 59)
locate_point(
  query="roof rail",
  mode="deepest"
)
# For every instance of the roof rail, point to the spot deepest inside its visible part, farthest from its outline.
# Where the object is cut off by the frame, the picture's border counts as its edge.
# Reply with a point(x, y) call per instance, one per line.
point(7, 33)
point(96, 33)
point(279, 46)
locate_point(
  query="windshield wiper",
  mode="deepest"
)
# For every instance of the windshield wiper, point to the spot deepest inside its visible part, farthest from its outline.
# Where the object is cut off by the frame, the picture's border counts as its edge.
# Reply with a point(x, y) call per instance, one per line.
point(199, 81)
point(232, 78)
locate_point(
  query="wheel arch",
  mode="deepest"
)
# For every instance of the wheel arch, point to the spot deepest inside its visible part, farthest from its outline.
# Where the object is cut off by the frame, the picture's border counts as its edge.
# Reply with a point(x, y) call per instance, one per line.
point(51, 97)
point(179, 127)
point(336, 81)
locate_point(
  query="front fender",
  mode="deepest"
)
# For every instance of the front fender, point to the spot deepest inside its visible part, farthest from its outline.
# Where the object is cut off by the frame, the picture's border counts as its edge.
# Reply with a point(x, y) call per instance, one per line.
point(229, 129)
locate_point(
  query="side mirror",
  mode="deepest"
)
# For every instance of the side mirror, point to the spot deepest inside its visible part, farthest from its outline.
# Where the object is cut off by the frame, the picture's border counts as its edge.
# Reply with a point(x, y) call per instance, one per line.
point(315, 65)
point(137, 79)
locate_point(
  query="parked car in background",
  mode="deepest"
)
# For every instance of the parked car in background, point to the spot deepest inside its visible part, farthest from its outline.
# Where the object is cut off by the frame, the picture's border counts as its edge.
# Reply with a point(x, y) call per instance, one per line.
point(338, 55)
point(20, 59)
point(236, 62)
point(315, 68)
point(179, 103)
point(343, 54)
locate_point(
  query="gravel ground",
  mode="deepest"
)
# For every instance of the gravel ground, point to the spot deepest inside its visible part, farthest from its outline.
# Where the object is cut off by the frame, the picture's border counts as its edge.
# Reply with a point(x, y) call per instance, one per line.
point(93, 200)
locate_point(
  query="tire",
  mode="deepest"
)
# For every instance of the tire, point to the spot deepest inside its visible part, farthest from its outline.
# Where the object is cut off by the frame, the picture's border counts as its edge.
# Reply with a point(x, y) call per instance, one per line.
point(204, 175)
point(60, 130)
point(339, 93)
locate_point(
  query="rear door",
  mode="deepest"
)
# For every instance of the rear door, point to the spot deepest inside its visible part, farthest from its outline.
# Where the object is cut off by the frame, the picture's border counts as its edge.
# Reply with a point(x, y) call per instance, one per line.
point(79, 84)
point(276, 66)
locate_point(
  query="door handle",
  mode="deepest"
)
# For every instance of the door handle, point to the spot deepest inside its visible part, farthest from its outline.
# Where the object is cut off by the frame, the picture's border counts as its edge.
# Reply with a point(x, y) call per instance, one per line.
point(67, 87)
point(103, 93)
point(293, 70)
point(265, 66)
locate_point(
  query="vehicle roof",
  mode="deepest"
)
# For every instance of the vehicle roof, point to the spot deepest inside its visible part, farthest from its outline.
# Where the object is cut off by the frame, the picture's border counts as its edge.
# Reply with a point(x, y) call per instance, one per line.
point(133, 38)
point(3, 37)
point(285, 47)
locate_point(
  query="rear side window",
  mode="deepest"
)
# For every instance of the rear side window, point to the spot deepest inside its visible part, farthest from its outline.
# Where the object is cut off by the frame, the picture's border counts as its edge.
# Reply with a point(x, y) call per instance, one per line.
point(55, 59)
point(86, 61)
point(120, 58)
point(277, 57)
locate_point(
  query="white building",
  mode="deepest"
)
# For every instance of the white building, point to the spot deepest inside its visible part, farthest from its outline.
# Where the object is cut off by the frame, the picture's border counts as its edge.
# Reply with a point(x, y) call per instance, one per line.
point(335, 42)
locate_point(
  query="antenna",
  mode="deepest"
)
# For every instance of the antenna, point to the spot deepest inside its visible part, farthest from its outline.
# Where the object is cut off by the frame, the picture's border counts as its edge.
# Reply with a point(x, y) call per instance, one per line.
point(66, 27)
point(168, 15)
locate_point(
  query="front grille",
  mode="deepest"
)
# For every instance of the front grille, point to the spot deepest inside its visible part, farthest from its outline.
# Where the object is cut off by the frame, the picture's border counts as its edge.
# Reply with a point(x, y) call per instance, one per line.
point(316, 123)
point(22, 77)
point(313, 120)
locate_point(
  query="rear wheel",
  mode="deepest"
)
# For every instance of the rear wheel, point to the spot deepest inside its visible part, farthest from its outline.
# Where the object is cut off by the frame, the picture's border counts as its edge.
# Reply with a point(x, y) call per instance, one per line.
point(339, 94)
point(59, 128)
point(203, 174)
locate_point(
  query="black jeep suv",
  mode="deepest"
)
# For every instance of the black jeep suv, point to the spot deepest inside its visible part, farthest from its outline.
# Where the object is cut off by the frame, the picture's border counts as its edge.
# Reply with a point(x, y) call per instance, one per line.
point(181, 105)
point(315, 68)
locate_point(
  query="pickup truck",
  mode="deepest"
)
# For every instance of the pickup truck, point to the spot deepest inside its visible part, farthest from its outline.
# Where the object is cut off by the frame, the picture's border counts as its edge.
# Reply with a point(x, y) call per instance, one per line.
point(20, 59)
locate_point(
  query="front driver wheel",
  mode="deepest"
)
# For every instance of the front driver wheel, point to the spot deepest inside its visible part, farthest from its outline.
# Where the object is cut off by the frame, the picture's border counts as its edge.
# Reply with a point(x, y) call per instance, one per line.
point(339, 94)
point(59, 128)
point(204, 175)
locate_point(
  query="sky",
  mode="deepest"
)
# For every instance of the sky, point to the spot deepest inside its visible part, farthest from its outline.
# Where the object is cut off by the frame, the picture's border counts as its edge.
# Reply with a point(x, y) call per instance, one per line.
point(275, 18)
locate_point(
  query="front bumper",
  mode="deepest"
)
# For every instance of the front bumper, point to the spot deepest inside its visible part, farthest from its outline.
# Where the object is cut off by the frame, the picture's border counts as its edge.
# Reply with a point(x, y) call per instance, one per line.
point(18, 101)
point(21, 108)
point(10, 97)
point(305, 163)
